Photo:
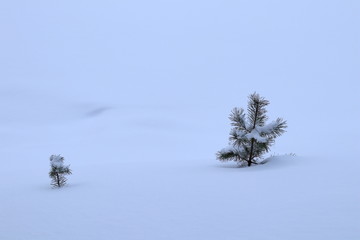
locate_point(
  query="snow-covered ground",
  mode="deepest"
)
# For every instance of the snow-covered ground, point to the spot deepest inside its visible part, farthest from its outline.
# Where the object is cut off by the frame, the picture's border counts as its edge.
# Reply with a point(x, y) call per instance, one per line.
point(136, 94)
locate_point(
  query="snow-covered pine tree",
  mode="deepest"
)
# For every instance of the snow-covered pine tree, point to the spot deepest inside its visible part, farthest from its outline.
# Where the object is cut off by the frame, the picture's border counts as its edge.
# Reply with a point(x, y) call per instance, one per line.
point(58, 171)
point(250, 136)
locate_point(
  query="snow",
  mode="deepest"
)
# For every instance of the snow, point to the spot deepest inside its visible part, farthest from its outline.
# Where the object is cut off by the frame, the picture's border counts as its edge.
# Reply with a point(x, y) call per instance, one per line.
point(231, 148)
point(136, 95)
point(238, 133)
point(268, 128)
point(256, 135)
point(56, 161)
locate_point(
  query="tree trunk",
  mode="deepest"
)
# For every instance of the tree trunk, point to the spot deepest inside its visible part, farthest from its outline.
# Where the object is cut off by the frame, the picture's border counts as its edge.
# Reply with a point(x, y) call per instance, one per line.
point(252, 140)
point(251, 153)
point(58, 179)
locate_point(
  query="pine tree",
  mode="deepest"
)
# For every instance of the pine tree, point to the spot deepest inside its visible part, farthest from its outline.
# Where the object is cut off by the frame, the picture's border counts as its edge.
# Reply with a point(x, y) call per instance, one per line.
point(58, 171)
point(250, 136)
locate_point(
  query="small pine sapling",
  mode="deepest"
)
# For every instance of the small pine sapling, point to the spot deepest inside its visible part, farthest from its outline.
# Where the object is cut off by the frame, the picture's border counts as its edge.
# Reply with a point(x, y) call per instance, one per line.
point(250, 136)
point(58, 171)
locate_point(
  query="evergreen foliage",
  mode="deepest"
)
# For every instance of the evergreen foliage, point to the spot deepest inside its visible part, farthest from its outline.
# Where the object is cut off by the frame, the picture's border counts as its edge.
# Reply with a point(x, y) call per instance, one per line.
point(58, 171)
point(250, 136)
